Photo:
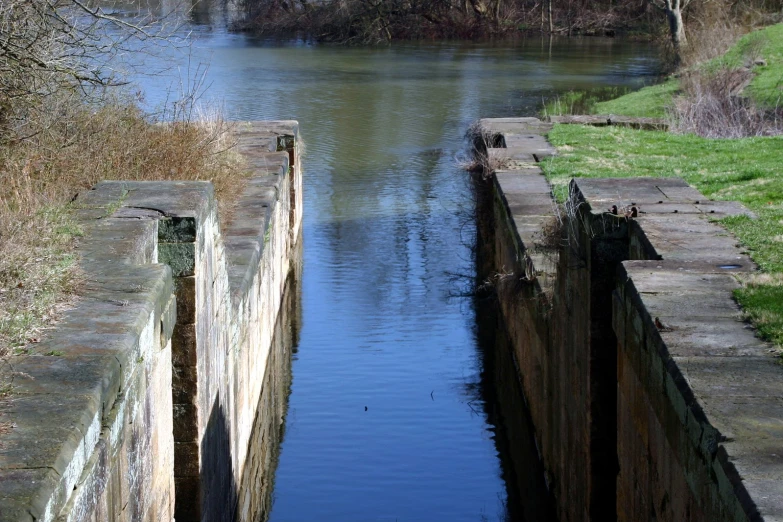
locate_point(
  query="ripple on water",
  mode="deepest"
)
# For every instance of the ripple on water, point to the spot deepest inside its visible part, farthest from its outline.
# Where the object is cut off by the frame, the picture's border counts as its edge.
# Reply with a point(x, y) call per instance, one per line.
point(387, 253)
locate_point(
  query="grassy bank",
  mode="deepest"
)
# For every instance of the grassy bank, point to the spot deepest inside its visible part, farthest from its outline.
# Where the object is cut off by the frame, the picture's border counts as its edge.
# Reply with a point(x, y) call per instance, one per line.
point(39, 274)
point(760, 53)
point(745, 170)
point(649, 102)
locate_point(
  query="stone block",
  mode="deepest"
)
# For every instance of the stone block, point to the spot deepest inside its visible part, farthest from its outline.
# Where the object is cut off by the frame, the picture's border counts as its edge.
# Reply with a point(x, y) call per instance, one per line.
point(187, 457)
point(678, 402)
point(186, 300)
point(184, 384)
point(183, 345)
point(185, 422)
point(189, 499)
point(168, 321)
point(24, 493)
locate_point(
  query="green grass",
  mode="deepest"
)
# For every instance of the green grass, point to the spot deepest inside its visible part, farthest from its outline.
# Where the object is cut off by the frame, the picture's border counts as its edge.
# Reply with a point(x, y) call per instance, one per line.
point(582, 101)
point(745, 170)
point(767, 44)
point(763, 305)
point(650, 102)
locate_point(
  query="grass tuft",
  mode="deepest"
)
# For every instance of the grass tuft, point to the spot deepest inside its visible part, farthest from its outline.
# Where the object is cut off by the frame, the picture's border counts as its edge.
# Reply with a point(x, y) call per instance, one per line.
point(762, 303)
point(479, 160)
point(581, 102)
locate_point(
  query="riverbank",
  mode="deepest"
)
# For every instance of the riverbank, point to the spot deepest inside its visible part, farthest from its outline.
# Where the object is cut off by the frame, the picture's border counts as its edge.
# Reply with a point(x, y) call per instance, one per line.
point(362, 23)
point(39, 276)
point(744, 169)
point(354, 22)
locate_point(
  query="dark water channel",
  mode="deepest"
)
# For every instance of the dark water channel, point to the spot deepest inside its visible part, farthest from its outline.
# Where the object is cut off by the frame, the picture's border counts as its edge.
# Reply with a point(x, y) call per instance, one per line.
point(401, 406)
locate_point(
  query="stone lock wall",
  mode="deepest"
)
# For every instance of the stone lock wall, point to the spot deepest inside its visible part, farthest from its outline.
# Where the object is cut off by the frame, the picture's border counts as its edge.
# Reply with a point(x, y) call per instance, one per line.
point(651, 398)
point(141, 404)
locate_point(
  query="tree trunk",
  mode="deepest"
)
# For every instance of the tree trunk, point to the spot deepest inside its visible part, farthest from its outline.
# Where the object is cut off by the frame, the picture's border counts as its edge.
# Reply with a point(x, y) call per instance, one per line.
point(551, 23)
point(673, 11)
point(677, 29)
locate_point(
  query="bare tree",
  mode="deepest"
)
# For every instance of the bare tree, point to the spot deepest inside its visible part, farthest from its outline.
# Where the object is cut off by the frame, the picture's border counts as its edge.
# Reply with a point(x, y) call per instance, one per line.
point(50, 47)
point(673, 10)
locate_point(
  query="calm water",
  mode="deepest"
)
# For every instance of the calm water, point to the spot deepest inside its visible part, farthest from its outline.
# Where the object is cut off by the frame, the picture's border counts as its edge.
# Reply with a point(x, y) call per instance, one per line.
point(394, 411)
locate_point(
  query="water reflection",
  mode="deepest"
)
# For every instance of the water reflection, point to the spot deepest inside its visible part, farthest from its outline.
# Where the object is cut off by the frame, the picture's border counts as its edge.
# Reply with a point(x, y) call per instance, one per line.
point(255, 493)
point(528, 498)
point(394, 412)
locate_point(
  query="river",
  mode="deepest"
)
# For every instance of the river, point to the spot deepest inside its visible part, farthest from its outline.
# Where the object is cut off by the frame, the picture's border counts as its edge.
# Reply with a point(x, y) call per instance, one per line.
point(398, 410)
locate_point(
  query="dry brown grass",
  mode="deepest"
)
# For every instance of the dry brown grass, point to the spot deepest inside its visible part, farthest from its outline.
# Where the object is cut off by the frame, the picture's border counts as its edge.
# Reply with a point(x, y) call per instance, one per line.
point(478, 159)
point(551, 237)
point(710, 38)
point(713, 106)
point(70, 153)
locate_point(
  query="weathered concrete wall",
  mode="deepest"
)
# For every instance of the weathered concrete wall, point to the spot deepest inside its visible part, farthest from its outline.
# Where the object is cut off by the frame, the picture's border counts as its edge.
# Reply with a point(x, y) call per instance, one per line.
point(222, 343)
point(674, 418)
point(255, 491)
point(547, 316)
point(142, 402)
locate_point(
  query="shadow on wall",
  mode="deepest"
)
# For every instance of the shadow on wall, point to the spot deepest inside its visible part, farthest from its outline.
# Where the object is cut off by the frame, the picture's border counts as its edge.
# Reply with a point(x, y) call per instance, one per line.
point(219, 485)
point(252, 500)
point(528, 495)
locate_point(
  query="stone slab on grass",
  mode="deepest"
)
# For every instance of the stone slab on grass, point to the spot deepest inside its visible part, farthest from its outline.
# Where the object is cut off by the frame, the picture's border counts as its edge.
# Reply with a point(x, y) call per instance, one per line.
point(605, 120)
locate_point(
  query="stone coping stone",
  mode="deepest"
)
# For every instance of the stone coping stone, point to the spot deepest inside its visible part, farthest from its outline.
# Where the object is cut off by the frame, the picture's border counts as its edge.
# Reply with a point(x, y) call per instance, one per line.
point(512, 159)
point(650, 196)
point(726, 376)
point(245, 236)
point(602, 192)
point(523, 181)
point(680, 231)
point(271, 163)
point(116, 241)
point(533, 144)
point(525, 125)
point(691, 238)
point(519, 182)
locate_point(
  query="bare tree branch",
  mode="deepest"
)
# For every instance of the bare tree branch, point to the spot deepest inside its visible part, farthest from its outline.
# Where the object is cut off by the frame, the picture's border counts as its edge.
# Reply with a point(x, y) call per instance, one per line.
point(61, 46)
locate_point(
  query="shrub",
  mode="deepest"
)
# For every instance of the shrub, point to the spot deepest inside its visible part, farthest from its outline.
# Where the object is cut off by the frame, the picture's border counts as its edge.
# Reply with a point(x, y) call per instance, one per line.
point(713, 106)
